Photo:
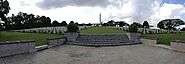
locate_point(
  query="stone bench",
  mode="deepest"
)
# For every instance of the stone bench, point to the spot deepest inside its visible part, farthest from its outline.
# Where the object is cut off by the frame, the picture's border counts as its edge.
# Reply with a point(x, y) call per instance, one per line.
point(149, 41)
point(16, 47)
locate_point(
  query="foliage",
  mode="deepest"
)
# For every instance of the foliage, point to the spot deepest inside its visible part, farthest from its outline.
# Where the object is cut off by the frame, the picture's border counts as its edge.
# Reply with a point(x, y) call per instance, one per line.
point(4, 9)
point(138, 25)
point(121, 23)
point(160, 25)
point(183, 29)
point(72, 27)
point(25, 21)
point(101, 30)
point(76, 23)
point(110, 23)
point(63, 23)
point(145, 24)
point(41, 39)
point(172, 23)
point(71, 21)
point(133, 28)
point(55, 23)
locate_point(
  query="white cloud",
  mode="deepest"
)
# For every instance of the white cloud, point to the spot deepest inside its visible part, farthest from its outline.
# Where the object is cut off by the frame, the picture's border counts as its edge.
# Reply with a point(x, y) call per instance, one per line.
point(127, 10)
point(168, 11)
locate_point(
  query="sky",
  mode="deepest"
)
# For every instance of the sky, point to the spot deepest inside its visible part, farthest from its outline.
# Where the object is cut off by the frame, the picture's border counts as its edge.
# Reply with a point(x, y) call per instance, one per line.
point(87, 11)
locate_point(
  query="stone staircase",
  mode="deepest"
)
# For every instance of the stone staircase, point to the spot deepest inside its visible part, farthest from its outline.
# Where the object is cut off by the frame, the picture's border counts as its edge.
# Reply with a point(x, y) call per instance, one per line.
point(102, 40)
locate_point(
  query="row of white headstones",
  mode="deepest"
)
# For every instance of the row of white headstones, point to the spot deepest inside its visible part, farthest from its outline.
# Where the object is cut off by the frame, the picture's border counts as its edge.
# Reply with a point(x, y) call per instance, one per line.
point(49, 30)
point(150, 31)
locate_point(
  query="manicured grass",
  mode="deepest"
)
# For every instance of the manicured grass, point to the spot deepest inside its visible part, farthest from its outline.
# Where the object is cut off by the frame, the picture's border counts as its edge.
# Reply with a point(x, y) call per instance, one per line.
point(101, 30)
point(40, 39)
point(165, 38)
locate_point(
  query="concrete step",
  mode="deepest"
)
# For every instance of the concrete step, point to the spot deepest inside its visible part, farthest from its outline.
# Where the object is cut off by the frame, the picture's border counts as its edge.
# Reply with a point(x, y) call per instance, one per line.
point(88, 43)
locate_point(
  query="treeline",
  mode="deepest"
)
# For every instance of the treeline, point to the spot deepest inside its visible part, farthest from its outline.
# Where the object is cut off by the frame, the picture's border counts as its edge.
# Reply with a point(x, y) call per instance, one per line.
point(123, 23)
point(26, 21)
point(167, 24)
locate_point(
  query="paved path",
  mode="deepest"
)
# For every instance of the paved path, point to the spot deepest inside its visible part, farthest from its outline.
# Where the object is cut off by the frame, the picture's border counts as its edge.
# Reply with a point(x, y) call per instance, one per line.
point(69, 54)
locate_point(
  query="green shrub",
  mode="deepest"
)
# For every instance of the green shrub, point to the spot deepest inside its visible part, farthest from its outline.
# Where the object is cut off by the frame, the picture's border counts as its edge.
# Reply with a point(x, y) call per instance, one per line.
point(133, 28)
point(72, 27)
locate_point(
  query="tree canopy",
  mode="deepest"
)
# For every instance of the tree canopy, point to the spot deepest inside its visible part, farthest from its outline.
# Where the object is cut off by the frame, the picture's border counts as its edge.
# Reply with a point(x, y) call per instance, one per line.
point(146, 24)
point(63, 23)
point(172, 23)
point(56, 23)
point(4, 9)
point(24, 21)
point(160, 25)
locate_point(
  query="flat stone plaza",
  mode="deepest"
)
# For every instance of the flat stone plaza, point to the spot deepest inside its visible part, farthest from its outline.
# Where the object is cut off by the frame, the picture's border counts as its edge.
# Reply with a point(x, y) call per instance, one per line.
point(71, 54)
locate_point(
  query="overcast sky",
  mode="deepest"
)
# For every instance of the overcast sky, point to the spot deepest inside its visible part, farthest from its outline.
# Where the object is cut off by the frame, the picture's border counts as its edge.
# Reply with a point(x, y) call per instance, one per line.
point(87, 11)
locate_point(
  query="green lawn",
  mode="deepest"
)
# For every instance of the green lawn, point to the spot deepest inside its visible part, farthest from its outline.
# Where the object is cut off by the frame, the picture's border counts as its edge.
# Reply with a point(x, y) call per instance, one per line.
point(101, 30)
point(165, 38)
point(40, 39)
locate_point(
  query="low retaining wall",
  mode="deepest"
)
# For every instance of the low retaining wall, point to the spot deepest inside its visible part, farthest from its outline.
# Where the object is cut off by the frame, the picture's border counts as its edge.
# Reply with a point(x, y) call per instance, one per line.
point(16, 47)
point(149, 41)
point(55, 42)
point(134, 37)
point(178, 45)
point(103, 37)
point(71, 36)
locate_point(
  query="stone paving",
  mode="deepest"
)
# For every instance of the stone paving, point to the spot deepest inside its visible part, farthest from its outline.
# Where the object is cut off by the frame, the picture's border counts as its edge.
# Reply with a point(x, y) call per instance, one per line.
point(70, 54)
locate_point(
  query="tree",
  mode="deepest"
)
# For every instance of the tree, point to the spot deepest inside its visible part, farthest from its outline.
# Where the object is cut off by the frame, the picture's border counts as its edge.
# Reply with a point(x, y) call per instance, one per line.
point(55, 23)
point(133, 28)
point(4, 10)
point(110, 23)
point(47, 22)
point(122, 23)
point(183, 29)
point(138, 24)
point(172, 23)
point(72, 27)
point(76, 23)
point(160, 25)
point(71, 22)
point(63, 23)
point(145, 24)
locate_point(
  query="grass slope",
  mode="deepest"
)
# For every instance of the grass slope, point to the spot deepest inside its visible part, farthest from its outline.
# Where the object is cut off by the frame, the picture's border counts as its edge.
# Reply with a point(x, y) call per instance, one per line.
point(165, 38)
point(101, 30)
point(40, 39)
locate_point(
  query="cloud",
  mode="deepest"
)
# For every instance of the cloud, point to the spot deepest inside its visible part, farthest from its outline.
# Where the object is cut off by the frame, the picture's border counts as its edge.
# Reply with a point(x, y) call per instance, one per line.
point(168, 11)
point(50, 4)
point(87, 11)
point(134, 10)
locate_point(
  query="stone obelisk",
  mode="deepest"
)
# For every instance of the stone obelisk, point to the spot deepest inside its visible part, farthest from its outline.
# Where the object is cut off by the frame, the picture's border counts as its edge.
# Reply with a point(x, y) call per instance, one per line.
point(100, 19)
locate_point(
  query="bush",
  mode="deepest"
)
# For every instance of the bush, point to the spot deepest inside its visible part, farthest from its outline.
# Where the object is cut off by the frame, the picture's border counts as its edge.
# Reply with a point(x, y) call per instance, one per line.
point(72, 27)
point(133, 28)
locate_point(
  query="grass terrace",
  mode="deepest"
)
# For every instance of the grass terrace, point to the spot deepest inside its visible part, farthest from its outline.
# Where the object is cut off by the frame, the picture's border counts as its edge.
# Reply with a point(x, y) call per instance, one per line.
point(101, 30)
point(41, 39)
point(165, 38)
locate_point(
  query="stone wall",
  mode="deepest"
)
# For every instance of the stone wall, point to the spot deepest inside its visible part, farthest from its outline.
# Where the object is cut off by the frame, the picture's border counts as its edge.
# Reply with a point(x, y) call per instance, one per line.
point(55, 42)
point(134, 37)
point(178, 45)
point(71, 36)
point(103, 37)
point(149, 41)
point(16, 47)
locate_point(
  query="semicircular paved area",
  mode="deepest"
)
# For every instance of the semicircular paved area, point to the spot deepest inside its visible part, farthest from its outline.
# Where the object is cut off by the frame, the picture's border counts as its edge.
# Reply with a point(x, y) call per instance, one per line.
point(70, 54)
